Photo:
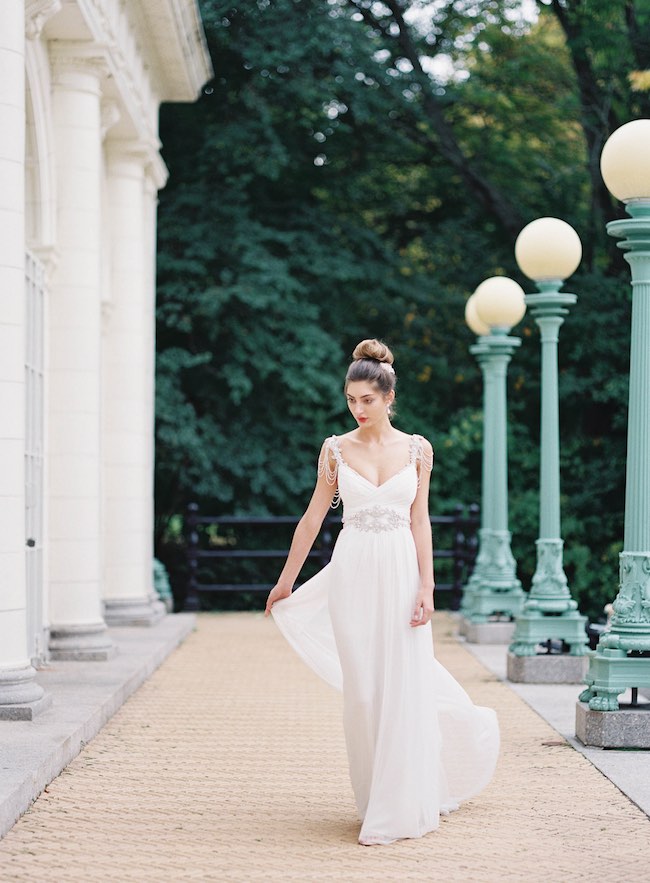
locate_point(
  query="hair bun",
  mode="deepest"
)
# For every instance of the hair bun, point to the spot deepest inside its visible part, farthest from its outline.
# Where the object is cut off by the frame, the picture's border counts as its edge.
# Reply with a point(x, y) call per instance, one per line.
point(373, 349)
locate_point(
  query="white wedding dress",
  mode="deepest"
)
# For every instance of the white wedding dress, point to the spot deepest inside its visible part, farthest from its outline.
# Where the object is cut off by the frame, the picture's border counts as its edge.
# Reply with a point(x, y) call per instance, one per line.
point(417, 746)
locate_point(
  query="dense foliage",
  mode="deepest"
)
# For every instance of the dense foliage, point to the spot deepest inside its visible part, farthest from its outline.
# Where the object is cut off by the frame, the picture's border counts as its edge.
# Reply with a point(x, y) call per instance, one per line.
point(355, 169)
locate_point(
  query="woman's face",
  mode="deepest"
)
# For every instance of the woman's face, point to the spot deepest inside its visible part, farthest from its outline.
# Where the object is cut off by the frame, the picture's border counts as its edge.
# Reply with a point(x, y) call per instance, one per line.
point(367, 404)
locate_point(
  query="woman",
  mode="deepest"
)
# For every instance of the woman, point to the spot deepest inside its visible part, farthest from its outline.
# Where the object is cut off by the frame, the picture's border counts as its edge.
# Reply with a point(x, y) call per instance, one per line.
point(416, 744)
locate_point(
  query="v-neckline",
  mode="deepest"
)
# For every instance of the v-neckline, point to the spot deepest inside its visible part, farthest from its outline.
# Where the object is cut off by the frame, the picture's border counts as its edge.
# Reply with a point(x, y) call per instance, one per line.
point(367, 480)
point(411, 462)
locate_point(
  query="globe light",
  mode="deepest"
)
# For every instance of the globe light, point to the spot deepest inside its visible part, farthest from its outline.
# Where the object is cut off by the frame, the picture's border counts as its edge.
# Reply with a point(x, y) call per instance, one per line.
point(548, 249)
point(625, 161)
point(472, 319)
point(500, 302)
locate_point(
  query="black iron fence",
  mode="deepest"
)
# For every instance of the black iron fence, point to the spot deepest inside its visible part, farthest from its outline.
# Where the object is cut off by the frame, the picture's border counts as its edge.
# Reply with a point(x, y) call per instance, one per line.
point(224, 552)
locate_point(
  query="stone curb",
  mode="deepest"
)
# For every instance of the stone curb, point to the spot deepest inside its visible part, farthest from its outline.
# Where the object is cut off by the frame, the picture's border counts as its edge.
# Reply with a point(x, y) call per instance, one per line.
point(85, 696)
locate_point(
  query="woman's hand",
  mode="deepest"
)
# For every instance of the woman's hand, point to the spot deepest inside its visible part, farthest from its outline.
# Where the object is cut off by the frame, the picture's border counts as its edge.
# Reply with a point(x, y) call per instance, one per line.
point(423, 609)
point(276, 594)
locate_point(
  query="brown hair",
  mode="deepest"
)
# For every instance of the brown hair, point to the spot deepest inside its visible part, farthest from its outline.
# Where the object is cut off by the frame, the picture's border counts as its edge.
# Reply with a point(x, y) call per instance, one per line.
point(368, 358)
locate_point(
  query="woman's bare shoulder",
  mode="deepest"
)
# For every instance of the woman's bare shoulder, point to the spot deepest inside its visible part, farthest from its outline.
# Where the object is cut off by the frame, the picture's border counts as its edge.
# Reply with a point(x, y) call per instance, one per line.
point(426, 444)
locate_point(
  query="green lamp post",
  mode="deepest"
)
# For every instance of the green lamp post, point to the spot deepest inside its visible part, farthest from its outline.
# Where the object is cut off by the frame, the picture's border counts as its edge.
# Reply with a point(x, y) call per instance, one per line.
point(622, 658)
point(548, 251)
point(481, 329)
point(494, 589)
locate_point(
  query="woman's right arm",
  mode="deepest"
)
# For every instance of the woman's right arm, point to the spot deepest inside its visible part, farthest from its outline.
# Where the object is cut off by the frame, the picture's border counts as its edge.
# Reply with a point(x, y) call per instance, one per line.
point(306, 531)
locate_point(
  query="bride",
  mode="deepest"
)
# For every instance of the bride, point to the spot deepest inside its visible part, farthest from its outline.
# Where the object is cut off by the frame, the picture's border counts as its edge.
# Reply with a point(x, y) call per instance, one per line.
point(417, 746)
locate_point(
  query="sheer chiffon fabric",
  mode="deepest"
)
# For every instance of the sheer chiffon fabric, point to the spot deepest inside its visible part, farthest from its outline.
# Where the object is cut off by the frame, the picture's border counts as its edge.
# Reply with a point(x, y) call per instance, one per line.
point(417, 746)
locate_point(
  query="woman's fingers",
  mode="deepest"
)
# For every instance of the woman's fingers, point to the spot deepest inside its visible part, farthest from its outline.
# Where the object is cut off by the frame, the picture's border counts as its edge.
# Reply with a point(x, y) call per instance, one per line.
point(421, 615)
point(269, 603)
point(276, 594)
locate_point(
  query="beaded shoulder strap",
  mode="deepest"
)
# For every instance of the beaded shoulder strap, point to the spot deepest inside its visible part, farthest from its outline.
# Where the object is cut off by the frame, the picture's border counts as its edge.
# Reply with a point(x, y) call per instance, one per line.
point(420, 456)
point(329, 451)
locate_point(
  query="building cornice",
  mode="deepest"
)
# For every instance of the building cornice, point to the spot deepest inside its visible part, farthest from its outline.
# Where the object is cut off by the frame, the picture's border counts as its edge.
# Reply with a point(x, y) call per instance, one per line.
point(153, 51)
point(184, 62)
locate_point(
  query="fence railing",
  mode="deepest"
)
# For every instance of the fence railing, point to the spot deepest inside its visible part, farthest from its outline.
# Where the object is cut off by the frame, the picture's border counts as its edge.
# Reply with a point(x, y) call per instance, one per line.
point(205, 549)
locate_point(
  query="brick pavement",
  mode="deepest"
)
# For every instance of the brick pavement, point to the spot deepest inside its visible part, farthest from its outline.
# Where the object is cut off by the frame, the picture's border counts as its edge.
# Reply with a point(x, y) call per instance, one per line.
point(229, 765)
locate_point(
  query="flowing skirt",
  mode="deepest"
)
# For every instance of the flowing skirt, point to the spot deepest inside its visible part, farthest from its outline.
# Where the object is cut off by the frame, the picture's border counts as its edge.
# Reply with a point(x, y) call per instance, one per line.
point(417, 746)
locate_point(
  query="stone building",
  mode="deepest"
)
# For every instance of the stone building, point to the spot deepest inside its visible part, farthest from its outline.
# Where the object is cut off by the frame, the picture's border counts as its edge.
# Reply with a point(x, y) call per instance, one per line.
point(81, 82)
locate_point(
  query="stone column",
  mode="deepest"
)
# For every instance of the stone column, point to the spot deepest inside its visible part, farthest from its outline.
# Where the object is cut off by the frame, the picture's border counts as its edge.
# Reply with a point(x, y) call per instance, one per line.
point(20, 696)
point(78, 630)
point(129, 595)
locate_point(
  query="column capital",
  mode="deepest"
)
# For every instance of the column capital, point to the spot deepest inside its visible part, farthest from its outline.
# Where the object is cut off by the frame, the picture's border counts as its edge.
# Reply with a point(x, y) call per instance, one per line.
point(37, 13)
point(109, 115)
point(48, 255)
point(122, 155)
point(126, 158)
point(77, 64)
point(550, 303)
point(492, 347)
point(157, 172)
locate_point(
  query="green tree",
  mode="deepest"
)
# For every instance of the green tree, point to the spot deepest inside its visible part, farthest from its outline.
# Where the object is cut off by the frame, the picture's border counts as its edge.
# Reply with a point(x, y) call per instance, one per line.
point(355, 169)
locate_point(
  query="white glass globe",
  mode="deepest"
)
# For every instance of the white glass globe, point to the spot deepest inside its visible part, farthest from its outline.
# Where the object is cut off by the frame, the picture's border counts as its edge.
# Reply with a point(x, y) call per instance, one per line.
point(500, 302)
point(471, 317)
point(548, 248)
point(625, 161)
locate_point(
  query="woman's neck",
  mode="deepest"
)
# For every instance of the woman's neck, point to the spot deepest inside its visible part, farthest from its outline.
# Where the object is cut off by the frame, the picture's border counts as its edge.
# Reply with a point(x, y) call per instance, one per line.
point(378, 435)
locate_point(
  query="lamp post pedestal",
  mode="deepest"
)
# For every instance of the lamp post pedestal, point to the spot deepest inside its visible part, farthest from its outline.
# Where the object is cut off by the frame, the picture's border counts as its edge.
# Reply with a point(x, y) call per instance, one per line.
point(493, 590)
point(622, 658)
point(549, 613)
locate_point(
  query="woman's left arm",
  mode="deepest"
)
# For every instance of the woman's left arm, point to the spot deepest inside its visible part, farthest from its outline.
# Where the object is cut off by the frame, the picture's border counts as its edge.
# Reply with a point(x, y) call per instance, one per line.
point(421, 530)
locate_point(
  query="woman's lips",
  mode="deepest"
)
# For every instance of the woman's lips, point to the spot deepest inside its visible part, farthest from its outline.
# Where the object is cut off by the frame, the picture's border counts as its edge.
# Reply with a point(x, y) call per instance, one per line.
point(362, 419)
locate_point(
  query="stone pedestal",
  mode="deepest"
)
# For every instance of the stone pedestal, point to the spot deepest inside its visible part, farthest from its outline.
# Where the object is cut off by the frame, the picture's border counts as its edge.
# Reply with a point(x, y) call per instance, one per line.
point(547, 668)
point(629, 727)
point(21, 698)
point(81, 642)
point(491, 632)
point(134, 611)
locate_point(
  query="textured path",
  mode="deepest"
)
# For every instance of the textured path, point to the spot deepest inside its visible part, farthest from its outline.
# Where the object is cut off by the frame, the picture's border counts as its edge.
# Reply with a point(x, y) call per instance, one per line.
point(229, 765)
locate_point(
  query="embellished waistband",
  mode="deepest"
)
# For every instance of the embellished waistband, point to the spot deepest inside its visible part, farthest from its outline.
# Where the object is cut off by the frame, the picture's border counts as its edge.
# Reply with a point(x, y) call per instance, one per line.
point(377, 519)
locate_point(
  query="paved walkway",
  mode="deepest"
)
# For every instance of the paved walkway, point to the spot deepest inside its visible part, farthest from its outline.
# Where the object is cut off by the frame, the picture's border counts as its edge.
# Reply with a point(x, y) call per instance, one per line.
point(229, 765)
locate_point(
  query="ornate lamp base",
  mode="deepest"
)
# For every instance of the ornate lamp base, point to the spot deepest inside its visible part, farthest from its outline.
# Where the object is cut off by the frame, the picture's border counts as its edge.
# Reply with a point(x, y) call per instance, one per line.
point(549, 612)
point(610, 673)
point(494, 588)
point(622, 658)
point(533, 627)
point(496, 599)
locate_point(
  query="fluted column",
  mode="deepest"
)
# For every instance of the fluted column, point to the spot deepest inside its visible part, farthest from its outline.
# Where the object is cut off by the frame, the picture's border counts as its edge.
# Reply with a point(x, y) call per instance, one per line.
point(78, 630)
point(20, 696)
point(129, 595)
